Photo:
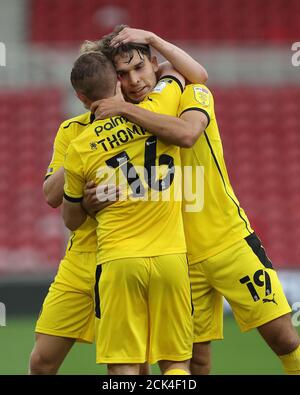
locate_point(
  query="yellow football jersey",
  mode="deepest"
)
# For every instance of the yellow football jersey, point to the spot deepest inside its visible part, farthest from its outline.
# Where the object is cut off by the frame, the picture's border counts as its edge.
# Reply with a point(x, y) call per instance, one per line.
point(147, 221)
point(215, 221)
point(84, 239)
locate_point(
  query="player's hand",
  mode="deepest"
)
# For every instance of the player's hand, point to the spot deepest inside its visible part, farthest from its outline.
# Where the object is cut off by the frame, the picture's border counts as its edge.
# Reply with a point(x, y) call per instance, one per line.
point(97, 198)
point(130, 35)
point(110, 107)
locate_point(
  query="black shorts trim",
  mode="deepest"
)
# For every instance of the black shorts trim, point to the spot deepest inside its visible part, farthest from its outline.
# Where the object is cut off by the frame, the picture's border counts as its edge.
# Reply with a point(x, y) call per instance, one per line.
point(96, 289)
point(255, 244)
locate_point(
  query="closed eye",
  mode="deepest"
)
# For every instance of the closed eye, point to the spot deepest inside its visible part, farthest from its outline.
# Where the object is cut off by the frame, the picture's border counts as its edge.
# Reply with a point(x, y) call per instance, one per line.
point(139, 66)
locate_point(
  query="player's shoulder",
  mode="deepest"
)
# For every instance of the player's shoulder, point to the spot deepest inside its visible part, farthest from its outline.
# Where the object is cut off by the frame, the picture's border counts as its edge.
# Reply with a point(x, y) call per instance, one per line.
point(73, 127)
point(164, 97)
point(166, 81)
point(82, 139)
point(197, 93)
point(73, 151)
point(82, 120)
point(192, 88)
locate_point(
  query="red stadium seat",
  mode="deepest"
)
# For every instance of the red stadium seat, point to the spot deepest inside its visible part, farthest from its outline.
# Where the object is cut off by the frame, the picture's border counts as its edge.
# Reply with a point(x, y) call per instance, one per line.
point(261, 147)
point(23, 160)
point(71, 21)
point(262, 152)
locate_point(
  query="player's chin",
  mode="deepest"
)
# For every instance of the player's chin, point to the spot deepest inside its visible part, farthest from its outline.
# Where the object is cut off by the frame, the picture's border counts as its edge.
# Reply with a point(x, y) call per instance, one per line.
point(133, 100)
point(137, 98)
point(141, 98)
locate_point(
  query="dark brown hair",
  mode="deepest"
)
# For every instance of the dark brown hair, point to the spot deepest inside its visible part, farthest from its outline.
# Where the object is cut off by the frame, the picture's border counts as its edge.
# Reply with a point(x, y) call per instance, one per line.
point(123, 49)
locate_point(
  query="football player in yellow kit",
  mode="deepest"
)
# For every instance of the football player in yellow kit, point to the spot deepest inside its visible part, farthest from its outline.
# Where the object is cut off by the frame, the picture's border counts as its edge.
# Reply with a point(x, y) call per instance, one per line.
point(226, 257)
point(141, 265)
point(59, 326)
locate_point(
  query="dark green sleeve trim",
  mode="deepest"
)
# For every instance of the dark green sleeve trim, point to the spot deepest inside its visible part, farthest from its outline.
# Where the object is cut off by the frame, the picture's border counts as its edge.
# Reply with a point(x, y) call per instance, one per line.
point(171, 77)
point(197, 109)
point(72, 199)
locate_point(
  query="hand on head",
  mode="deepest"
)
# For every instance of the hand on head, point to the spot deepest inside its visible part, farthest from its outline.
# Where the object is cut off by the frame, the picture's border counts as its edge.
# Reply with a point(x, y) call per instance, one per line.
point(130, 35)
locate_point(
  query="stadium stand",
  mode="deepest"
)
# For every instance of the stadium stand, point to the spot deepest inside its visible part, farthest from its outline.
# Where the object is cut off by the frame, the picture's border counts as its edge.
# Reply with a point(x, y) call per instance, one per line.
point(263, 165)
point(31, 234)
point(258, 113)
point(231, 21)
point(260, 130)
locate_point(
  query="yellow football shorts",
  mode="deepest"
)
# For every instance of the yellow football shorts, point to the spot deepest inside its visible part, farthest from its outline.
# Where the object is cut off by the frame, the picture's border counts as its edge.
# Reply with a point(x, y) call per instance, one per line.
point(243, 274)
point(68, 309)
point(145, 310)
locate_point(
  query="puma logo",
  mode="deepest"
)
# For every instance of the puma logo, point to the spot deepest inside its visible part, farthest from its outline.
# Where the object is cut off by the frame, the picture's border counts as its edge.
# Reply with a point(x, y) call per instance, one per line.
point(265, 300)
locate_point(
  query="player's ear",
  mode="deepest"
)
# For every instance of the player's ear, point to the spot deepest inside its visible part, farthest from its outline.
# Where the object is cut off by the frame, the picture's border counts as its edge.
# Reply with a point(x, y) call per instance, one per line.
point(79, 95)
point(154, 63)
point(86, 102)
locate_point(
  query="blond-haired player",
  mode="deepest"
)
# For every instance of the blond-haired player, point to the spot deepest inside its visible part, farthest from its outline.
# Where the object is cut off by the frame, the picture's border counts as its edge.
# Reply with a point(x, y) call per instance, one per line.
point(59, 326)
point(142, 270)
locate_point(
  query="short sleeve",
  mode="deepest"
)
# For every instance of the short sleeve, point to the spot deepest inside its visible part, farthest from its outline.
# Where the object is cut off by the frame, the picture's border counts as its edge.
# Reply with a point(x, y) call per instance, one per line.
point(197, 97)
point(165, 97)
point(60, 147)
point(74, 175)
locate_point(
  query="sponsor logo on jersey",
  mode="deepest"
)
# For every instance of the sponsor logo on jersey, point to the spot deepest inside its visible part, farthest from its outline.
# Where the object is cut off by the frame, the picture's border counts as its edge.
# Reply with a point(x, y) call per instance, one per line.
point(201, 95)
point(160, 87)
point(113, 123)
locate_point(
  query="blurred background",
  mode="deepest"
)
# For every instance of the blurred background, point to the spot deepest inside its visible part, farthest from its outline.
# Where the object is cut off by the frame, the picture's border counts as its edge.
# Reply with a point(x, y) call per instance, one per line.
point(246, 47)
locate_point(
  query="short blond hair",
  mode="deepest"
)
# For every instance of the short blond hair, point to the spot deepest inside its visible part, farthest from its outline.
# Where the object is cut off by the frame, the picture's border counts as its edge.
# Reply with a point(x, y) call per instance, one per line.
point(90, 46)
point(94, 75)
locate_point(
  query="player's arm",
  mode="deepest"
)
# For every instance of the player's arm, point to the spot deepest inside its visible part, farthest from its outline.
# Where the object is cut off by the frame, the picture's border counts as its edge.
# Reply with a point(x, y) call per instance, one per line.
point(72, 211)
point(53, 189)
point(177, 58)
point(53, 186)
point(183, 131)
point(97, 198)
point(73, 214)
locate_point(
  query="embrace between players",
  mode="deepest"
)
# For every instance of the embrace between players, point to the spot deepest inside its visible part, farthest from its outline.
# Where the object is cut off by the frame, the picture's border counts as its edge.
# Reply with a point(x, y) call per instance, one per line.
point(145, 272)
